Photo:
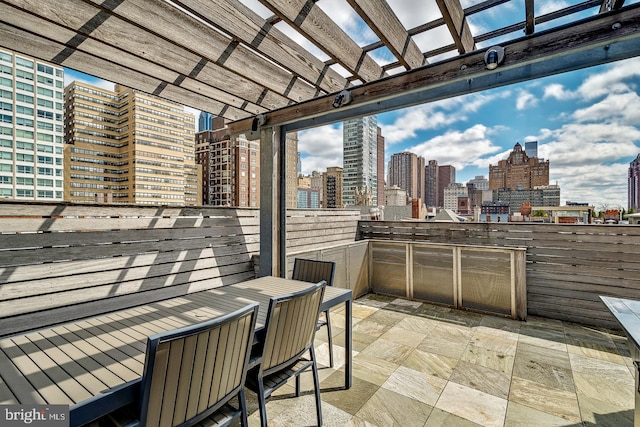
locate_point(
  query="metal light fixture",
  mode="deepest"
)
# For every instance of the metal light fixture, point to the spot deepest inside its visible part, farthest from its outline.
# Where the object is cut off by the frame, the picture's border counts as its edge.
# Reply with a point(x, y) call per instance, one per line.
point(494, 57)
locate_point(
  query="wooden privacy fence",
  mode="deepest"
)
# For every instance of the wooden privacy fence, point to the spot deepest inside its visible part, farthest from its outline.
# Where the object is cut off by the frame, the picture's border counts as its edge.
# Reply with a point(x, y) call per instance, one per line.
point(60, 262)
point(568, 266)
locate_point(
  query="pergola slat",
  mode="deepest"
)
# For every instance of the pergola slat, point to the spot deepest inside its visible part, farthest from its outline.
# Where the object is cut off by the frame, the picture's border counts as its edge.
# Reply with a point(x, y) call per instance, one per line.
point(314, 24)
point(384, 22)
point(234, 18)
point(173, 24)
point(131, 45)
point(456, 21)
point(530, 17)
point(47, 50)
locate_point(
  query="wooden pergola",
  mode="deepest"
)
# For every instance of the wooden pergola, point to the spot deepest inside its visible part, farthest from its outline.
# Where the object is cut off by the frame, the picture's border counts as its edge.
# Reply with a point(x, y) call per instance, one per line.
point(220, 56)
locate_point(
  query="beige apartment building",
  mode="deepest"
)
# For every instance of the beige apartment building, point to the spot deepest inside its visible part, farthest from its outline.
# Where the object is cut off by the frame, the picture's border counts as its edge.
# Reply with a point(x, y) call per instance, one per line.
point(124, 146)
point(332, 184)
point(231, 167)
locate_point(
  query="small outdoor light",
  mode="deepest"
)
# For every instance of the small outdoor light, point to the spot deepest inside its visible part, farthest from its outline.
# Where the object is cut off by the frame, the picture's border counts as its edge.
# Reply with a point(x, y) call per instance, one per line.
point(494, 57)
point(343, 98)
point(258, 121)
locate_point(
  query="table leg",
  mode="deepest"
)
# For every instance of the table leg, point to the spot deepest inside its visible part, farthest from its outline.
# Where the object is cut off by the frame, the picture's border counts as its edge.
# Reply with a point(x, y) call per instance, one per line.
point(348, 368)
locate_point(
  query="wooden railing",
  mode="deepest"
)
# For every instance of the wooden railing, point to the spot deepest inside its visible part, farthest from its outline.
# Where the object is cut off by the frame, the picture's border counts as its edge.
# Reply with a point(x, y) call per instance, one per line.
point(60, 262)
point(568, 266)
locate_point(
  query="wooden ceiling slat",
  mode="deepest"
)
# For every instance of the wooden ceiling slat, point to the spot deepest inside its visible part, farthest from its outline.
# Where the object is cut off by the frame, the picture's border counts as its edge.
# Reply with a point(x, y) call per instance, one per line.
point(47, 49)
point(311, 21)
point(117, 41)
point(530, 20)
point(383, 21)
point(234, 18)
point(456, 21)
point(568, 48)
point(173, 24)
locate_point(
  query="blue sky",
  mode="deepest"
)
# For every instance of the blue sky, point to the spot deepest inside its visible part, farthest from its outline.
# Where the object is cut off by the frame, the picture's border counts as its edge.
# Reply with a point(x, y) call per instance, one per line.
point(587, 122)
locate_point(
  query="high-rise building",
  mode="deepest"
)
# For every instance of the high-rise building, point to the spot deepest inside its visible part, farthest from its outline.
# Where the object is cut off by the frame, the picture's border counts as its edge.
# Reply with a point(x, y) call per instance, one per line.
point(380, 197)
point(407, 171)
point(395, 196)
point(518, 172)
point(124, 146)
point(291, 171)
point(360, 158)
point(531, 148)
point(230, 167)
point(544, 195)
point(205, 121)
point(479, 182)
point(431, 184)
point(451, 195)
point(316, 184)
point(634, 184)
point(308, 198)
point(446, 176)
point(31, 128)
point(332, 185)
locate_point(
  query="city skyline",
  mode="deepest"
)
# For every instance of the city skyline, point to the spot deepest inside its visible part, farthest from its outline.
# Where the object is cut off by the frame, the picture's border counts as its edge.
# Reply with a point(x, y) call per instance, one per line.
point(586, 124)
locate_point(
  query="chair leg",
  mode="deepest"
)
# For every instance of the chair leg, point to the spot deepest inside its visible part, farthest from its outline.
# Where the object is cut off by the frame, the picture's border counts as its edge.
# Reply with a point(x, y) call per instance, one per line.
point(298, 385)
point(329, 338)
point(262, 405)
point(316, 386)
point(242, 403)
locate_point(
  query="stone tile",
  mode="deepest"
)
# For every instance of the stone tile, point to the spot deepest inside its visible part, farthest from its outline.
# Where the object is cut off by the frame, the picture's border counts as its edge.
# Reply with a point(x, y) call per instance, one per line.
point(545, 323)
point(417, 324)
point(546, 338)
point(523, 416)
point(502, 323)
point(440, 418)
point(483, 379)
point(488, 358)
point(473, 405)
point(461, 318)
point(560, 403)
point(388, 408)
point(598, 350)
point(302, 412)
point(358, 341)
point(603, 380)
point(333, 392)
point(605, 414)
point(503, 342)
point(404, 306)
point(544, 355)
point(447, 340)
point(370, 327)
point(404, 336)
point(416, 385)
point(387, 317)
point(548, 375)
point(358, 422)
point(387, 350)
point(431, 363)
point(372, 369)
point(362, 311)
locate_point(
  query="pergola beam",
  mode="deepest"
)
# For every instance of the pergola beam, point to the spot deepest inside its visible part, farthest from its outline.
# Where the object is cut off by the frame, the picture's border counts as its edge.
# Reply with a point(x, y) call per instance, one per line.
point(456, 21)
point(316, 26)
point(583, 44)
point(384, 22)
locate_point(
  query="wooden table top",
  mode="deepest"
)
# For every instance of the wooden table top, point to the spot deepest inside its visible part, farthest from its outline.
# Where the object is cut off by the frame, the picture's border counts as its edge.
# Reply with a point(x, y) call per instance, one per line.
point(75, 362)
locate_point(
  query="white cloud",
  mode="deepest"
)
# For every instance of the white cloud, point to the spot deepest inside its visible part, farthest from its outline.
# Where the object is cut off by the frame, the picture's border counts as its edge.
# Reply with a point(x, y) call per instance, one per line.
point(617, 108)
point(557, 91)
point(525, 100)
point(321, 148)
point(615, 79)
point(435, 115)
point(458, 148)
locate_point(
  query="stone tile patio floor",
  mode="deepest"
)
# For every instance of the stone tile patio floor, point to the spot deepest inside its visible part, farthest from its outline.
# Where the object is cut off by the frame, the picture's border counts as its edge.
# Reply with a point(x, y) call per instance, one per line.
point(418, 364)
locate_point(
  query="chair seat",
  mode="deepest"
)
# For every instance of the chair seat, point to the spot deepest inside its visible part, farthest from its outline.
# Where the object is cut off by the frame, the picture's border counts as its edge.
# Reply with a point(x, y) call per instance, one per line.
point(274, 381)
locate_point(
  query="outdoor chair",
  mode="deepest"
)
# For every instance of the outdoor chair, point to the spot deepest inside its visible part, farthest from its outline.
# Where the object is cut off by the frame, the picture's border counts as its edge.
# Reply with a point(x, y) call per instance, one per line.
point(191, 373)
point(288, 337)
point(310, 270)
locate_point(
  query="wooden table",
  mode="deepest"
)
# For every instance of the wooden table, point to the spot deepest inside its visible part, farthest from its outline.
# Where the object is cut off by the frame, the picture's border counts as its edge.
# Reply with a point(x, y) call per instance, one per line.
point(95, 364)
